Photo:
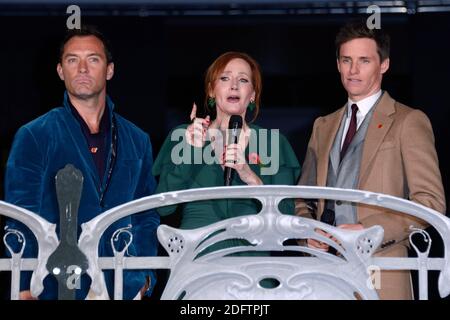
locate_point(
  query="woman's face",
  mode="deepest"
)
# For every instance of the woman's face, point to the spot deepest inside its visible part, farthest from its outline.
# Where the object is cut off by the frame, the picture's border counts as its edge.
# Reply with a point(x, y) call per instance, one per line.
point(233, 89)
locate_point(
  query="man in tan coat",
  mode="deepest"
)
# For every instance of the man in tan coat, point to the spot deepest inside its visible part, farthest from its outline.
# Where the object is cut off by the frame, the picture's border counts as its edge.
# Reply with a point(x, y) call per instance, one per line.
point(372, 143)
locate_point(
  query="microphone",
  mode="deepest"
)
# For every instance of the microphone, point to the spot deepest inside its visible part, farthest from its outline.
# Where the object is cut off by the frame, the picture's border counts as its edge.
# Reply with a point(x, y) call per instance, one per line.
point(234, 126)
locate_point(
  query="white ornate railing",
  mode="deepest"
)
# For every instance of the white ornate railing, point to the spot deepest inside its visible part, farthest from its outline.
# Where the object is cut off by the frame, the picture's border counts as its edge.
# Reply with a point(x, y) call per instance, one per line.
point(199, 273)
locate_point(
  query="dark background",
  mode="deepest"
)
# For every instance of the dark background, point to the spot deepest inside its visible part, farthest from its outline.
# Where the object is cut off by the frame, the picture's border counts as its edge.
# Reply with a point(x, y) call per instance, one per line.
point(161, 53)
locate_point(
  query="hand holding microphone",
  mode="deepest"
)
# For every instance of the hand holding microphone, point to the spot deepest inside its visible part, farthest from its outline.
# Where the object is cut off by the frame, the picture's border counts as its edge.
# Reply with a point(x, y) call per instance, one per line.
point(234, 156)
point(232, 153)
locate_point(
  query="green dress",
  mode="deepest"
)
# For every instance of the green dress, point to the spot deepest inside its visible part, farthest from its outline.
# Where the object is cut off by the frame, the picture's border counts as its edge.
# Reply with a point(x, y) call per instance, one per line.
point(197, 214)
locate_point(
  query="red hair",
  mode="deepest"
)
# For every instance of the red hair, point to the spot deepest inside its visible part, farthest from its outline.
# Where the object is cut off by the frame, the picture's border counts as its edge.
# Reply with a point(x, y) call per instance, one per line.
point(219, 65)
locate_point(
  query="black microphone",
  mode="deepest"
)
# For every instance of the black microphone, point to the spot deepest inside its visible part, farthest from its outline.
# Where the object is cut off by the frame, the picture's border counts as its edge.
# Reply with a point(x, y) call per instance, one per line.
point(234, 126)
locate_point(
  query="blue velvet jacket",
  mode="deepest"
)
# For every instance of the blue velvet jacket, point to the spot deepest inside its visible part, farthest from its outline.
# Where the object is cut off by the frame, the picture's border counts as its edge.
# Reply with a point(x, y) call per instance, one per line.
point(46, 145)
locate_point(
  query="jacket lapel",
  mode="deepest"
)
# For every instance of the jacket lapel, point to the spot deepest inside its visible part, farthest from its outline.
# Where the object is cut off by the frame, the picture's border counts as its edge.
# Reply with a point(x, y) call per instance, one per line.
point(327, 133)
point(378, 128)
point(79, 142)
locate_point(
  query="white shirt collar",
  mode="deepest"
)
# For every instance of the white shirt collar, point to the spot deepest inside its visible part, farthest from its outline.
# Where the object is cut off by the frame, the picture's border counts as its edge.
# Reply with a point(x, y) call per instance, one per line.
point(364, 105)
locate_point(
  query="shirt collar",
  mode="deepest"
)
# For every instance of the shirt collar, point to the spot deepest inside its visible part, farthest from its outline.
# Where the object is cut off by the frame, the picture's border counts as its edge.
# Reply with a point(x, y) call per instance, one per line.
point(364, 105)
point(104, 121)
point(108, 108)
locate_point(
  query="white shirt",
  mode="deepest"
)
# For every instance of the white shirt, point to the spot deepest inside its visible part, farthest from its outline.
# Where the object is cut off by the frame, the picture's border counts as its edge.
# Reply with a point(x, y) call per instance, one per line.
point(364, 107)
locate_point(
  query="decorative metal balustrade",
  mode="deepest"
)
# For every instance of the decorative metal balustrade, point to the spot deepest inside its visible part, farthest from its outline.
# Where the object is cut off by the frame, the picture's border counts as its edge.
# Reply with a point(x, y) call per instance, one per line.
point(196, 272)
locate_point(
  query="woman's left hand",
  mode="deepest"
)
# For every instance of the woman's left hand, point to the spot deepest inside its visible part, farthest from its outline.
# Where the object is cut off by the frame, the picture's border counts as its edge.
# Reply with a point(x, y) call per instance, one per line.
point(234, 157)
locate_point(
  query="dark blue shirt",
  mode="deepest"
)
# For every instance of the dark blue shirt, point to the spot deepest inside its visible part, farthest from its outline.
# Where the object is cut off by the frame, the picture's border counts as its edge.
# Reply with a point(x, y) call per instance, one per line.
point(96, 141)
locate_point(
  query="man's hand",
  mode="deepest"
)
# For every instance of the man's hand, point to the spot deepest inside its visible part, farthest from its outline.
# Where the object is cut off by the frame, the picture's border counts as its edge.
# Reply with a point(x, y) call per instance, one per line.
point(323, 246)
point(26, 295)
point(314, 244)
point(351, 226)
point(145, 287)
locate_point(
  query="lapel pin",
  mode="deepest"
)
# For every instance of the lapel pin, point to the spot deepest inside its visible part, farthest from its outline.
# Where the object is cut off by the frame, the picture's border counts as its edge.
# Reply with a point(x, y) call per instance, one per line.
point(380, 126)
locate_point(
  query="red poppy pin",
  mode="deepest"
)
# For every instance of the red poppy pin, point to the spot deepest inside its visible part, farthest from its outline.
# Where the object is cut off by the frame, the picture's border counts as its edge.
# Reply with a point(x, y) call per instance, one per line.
point(253, 158)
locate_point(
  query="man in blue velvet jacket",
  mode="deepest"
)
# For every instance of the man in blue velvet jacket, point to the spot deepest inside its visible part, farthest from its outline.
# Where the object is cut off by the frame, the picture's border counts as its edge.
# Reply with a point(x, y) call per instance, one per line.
point(114, 156)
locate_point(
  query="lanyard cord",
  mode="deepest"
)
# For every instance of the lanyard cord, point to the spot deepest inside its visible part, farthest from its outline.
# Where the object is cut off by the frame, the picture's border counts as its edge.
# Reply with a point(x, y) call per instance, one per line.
point(112, 160)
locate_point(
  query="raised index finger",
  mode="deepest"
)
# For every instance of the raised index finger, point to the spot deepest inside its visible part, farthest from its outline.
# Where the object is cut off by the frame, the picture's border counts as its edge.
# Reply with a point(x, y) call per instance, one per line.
point(194, 111)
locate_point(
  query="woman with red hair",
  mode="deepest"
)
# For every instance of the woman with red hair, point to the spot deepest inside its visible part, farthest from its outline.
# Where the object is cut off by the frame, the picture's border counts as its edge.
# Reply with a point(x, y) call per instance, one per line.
point(232, 88)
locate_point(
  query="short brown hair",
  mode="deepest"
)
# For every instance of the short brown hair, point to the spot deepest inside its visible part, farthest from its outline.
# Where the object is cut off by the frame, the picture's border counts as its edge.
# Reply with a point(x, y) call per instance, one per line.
point(85, 31)
point(356, 29)
point(219, 65)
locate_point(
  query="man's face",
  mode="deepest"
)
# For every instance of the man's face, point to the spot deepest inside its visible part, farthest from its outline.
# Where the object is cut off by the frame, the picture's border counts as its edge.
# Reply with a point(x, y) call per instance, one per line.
point(360, 68)
point(84, 67)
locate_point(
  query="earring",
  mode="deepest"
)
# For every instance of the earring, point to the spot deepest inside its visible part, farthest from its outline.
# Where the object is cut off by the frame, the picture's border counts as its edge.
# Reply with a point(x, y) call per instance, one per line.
point(211, 103)
point(251, 106)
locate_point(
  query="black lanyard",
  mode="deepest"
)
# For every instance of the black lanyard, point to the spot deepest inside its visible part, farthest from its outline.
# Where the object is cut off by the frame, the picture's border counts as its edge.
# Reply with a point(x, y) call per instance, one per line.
point(112, 159)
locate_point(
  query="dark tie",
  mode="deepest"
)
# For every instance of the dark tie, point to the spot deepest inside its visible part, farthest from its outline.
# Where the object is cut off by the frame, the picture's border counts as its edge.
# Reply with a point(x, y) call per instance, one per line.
point(350, 132)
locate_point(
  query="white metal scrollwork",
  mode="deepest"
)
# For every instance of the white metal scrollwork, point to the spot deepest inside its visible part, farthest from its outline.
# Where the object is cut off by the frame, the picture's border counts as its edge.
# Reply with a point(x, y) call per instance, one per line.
point(199, 273)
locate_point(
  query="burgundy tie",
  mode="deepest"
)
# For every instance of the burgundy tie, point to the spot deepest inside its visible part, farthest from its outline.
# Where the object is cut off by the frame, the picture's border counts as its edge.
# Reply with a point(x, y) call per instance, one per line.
point(350, 132)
